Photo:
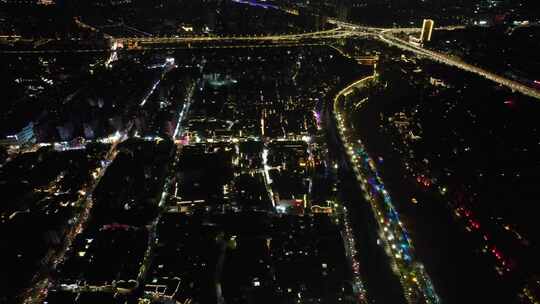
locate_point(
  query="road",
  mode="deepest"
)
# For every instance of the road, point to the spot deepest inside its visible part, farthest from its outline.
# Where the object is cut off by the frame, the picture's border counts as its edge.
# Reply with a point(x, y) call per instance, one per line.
point(41, 280)
point(334, 33)
point(152, 231)
point(38, 292)
point(167, 67)
point(392, 233)
point(393, 236)
point(351, 252)
point(170, 47)
point(325, 37)
point(387, 37)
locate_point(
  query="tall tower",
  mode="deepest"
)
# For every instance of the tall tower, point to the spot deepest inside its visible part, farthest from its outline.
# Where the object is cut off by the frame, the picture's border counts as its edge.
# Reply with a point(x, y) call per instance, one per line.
point(427, 30)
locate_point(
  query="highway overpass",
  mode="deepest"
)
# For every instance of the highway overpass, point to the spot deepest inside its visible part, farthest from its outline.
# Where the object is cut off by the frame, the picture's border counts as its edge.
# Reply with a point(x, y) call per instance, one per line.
point(343, 30)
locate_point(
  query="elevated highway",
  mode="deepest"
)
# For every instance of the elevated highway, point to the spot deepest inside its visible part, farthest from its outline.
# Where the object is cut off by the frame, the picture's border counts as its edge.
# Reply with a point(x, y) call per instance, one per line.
point(278, 39)
point(388, 37)
point(342, 30)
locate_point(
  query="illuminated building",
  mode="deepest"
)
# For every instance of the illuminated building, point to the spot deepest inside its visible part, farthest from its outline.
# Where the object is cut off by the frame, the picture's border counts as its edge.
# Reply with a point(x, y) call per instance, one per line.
point(427, 30)
point(25, 136)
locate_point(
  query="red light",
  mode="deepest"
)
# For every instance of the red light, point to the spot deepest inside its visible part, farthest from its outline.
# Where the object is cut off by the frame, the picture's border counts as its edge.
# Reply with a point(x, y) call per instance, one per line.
point(423, 180)
point(497, 253)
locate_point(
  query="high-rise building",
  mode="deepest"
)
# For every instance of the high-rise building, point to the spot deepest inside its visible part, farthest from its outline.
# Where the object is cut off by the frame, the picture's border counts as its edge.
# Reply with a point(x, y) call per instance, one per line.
point(27, 135)
point(427, 30)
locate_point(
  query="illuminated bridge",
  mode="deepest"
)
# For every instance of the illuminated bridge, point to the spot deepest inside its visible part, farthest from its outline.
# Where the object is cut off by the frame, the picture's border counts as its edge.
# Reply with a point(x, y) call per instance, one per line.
point(343, 30)
point(386, 36)
point(320, 37)
point(326, 37)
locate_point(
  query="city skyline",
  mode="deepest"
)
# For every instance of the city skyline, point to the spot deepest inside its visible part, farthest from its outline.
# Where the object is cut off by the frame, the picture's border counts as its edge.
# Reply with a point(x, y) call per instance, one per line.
point(284, 151)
